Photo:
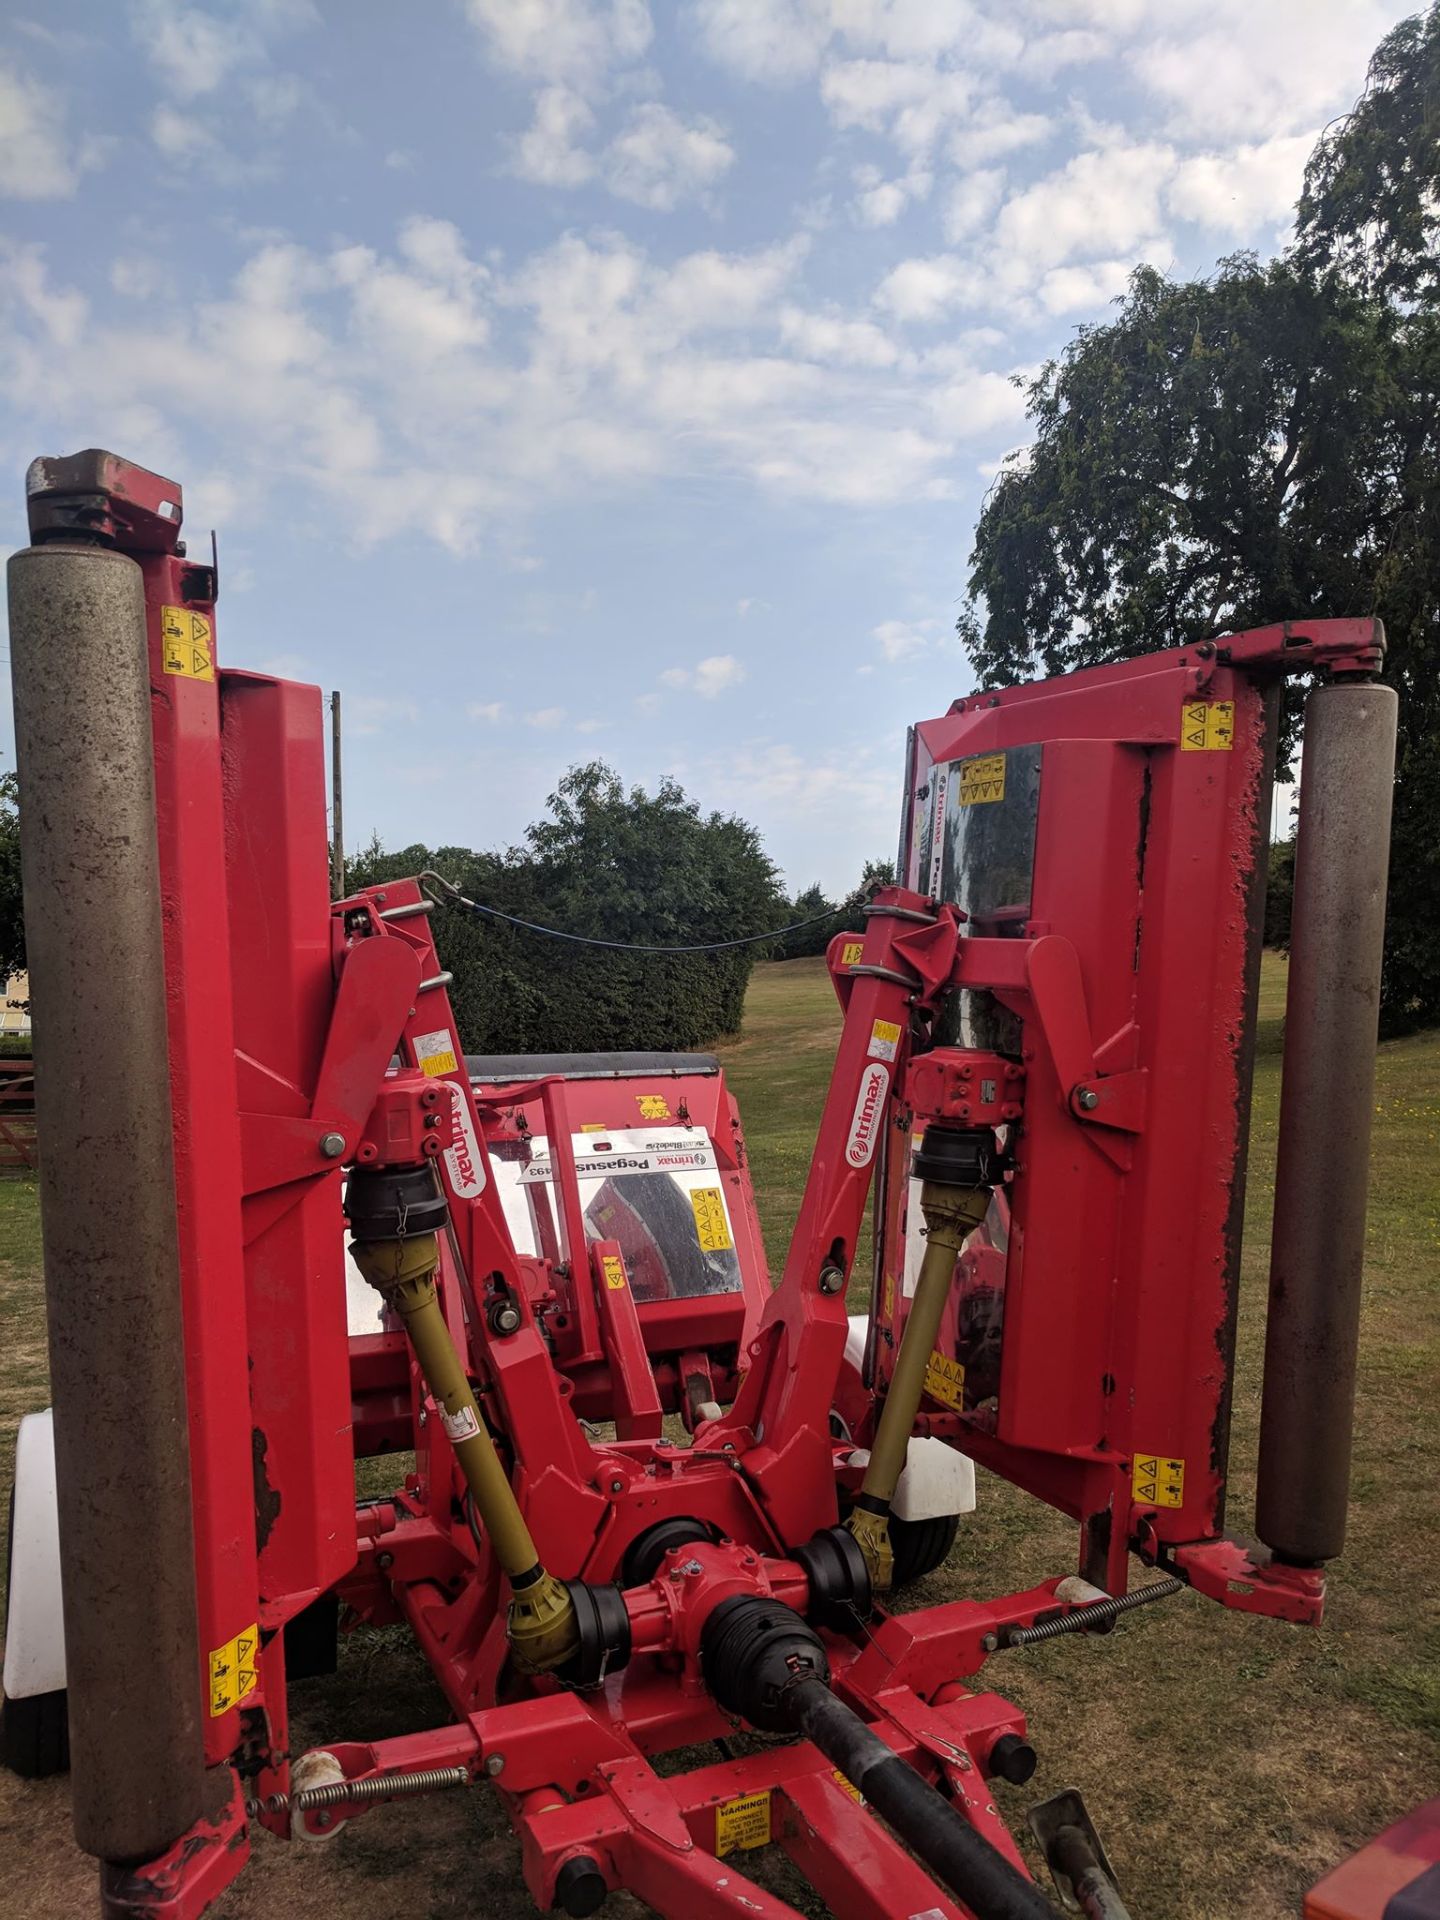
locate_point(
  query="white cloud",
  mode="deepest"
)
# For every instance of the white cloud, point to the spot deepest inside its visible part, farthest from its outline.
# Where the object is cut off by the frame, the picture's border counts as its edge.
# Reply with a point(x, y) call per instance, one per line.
point(715, 290)
point(432, 305)
point(996, 130)
point(971, 201)
point(178, 135)
point(910, 103)
point(276, 98)
point(923, 290)
point(1236, 192)
point(219, 58)
point(1073, 289)
point(880, 202)
point(709, 677)
point(59, 314)
point(853, 788)
point(773, 41)
point(546, 718)
point(35, 159)
point(974, 403)
point(575, 41)
point(1229, 67)
point(136, 276)
point(360, 380)
point(832, 337)
point(193, 52)
point(1100, 203)
point(547, 152)
point(659, 158)
point(779, 42)
point(656, 160)
point(902, 639)
point(491, 711)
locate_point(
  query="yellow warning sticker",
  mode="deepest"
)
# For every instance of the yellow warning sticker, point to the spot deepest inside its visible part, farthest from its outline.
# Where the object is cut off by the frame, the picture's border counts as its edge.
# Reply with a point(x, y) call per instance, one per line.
point(593, 1126)
point(849, 1785)
point(850, 953)
point(743, 1823)
point(710, 1221)
point(945, 1380)
point(435, 1053)
point(888, 1310)
point(1207, 726)
point(1157, 1481)
point(884, 1040)
point(982, 779)
point(614, 1270)
point(185, 644)
point(232, 1671)
point(653, 1106)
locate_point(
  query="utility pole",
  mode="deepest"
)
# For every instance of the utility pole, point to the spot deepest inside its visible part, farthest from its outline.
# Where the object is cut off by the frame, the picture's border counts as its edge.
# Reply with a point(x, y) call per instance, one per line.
point(337, 832)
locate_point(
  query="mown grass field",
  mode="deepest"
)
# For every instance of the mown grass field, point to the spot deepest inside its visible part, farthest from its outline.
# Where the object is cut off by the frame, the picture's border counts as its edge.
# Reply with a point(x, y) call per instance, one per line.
point(1228, 1761)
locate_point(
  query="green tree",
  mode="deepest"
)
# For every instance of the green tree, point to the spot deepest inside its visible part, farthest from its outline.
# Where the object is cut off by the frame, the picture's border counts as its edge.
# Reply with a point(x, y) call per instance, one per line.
point(12, 905)
point(1280, 894)
point(808, 940)
point(608, 863)
point(847, 915)
point(1259, 445)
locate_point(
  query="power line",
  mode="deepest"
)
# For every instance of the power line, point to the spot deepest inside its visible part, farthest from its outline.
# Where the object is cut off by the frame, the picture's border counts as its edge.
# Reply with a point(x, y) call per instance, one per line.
point(451, 895)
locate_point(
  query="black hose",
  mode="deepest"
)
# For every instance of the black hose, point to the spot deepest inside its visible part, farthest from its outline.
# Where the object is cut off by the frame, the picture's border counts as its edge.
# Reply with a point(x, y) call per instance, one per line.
point(974, 1871)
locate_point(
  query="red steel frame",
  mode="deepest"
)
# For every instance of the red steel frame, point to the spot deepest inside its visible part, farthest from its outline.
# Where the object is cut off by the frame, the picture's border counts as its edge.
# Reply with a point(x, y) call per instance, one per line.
point(285, 1014)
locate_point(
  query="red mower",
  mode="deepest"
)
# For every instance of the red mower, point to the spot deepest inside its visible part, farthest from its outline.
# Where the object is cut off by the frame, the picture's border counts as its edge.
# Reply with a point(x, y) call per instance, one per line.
point(655, 1503)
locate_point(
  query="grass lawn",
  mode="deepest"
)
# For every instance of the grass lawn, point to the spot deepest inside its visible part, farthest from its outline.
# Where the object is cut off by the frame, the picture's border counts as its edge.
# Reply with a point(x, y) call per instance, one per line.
point(1227, 1761)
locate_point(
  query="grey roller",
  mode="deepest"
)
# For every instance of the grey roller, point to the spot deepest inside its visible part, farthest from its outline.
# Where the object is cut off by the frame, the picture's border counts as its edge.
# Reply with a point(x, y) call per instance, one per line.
point(107, 1193)
point(1327, 1098)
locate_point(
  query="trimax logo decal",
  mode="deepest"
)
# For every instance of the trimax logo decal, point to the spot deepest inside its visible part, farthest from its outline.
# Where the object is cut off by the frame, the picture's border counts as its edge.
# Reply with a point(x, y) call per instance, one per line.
point(462, 1160)
point(869, 1113)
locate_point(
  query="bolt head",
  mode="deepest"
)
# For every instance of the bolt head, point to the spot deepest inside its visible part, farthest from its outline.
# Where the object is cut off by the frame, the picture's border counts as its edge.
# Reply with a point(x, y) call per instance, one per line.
point(1088, 1099)
point(617, 1486)
point(494, 1763)
point(332, 1145)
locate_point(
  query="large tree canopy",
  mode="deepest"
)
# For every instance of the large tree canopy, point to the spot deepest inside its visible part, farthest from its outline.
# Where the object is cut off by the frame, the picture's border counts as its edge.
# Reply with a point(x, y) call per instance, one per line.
point(610, 863)
point(1260, 445)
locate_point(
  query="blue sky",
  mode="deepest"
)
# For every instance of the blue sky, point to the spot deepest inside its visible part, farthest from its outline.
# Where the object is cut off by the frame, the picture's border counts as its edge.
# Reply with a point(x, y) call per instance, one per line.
point(573, 378)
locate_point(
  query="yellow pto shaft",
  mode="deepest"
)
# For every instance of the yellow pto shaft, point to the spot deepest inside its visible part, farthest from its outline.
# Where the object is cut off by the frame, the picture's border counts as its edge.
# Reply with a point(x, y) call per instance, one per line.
point(951, 1213)
point(541, 1625)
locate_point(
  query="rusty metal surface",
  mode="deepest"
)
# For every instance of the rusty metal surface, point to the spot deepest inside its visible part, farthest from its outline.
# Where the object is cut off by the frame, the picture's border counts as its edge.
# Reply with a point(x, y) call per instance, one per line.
point(92, 912)
point(1327, 1098)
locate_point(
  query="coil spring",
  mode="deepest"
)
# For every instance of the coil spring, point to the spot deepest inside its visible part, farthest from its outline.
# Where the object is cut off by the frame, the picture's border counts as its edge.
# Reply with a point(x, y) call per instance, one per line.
point(378, 1786)
point(1084, 1617)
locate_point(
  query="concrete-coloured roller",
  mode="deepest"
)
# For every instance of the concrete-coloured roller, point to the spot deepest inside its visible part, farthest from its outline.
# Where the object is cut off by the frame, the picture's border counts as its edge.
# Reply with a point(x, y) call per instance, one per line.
point(107, 1192)
point(1327, 1098)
